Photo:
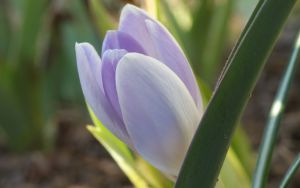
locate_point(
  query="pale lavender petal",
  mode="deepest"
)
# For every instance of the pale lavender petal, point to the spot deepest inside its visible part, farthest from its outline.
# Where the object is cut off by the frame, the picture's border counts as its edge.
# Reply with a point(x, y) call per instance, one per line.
point(88, 62)
point(110, 60)
point(132, 22)
point(159, 43)
point(88, 53)
point(169, 52)
point(158, 110)
point(121, 40)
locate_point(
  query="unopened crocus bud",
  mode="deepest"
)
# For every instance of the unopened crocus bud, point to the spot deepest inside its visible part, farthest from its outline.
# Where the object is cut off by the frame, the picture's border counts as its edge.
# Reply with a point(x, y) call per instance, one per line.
point(143, 89)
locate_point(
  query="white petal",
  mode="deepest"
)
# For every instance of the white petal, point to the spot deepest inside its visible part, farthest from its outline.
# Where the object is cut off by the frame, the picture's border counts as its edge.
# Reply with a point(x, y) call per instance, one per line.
point(158, 110)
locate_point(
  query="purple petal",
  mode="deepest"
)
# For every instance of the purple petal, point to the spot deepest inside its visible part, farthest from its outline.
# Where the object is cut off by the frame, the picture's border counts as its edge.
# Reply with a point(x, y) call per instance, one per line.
point(110, 60)
point(121, 40)
point(159, 43)
point(169, 52)
point(88, 63)
point(132, 22)
point(159, 112)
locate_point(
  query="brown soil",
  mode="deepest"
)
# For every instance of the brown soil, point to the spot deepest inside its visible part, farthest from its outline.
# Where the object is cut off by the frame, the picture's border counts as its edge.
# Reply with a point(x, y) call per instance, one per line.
point(77, 161)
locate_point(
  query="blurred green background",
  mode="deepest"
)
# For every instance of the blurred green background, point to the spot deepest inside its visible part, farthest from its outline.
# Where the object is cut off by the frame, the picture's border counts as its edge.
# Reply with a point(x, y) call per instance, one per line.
point(39, 87)
point(37, 64)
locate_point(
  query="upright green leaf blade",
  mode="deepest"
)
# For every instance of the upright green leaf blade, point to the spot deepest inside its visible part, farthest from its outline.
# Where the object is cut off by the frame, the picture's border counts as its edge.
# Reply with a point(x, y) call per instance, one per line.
point(216, 40)
point(208, 149)
point(199, 32)
point(23, 49)
point(102, 19)
point(291, 172)
point(271, 131)
point(173, 25)
point(233, 174)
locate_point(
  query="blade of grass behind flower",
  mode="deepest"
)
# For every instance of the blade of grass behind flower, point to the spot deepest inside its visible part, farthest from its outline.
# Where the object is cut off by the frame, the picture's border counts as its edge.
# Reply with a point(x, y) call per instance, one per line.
point(151, 6)
point(101, 18)
point(240, 144)
point(172, 24)
point(5, 29)
point(272, 127)
point(12, 122)
point(202, 19)
point(21, 62)
point(211, 141)
point(233, 173)
point(291, 172)
point(23, 47)
point(216, 40)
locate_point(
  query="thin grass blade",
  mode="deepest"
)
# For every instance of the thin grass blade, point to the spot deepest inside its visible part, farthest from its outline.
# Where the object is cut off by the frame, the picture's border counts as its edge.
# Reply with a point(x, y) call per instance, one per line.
point(173, 24)
point(272, 126)
point(216, 40)
point(290, 173)
point(101, 18)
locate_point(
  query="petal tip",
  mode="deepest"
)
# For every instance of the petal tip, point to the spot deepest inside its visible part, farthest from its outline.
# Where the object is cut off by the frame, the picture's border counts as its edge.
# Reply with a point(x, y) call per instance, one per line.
point(130, 9)
point(83, 44)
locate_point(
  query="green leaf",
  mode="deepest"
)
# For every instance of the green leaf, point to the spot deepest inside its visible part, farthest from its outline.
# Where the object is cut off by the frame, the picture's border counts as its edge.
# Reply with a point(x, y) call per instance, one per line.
point(202, 20)
point(275, 115)
point(167, 16)
point(233, 173)
point(5, 28)
point(13, 122)
point(24, 46)
point(240, 143)
point(291, 172)
point(241, 146)
point(210, 144)
point(210, 60)
point(151, 174)
point(120, 154)
point(101, 17)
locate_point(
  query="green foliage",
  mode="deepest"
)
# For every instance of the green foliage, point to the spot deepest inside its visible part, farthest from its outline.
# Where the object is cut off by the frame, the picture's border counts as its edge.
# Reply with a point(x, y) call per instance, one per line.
point(37, 69)
point(204, 40)
point(238, 165)
point(268, 142)
point(101, 17)
point(226, 105)
point(291, 172)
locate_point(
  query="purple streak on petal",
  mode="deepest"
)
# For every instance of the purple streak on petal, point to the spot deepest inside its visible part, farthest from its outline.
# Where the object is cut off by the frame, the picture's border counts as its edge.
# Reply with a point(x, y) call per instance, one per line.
point(169, 52)
point(110, 60)
point(132, 22)
point(158, 110)
point(88, 63)
point(120, 40)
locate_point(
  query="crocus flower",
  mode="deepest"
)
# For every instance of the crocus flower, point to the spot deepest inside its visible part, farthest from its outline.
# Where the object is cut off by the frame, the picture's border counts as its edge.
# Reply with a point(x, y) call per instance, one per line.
point(143, 89)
